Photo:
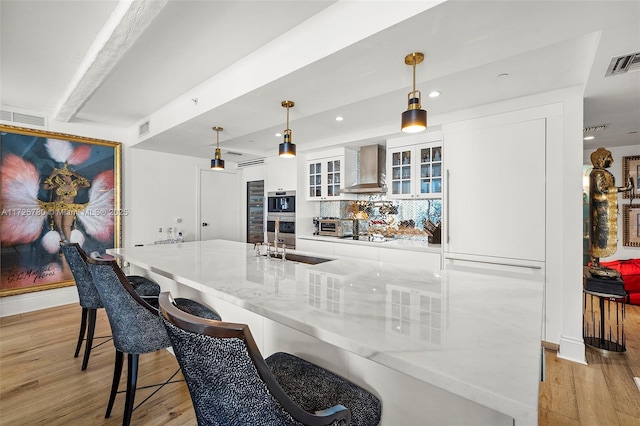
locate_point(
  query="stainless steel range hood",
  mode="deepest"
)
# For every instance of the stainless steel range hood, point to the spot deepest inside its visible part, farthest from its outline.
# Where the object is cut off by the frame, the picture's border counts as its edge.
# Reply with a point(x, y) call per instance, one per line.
point(372, 171)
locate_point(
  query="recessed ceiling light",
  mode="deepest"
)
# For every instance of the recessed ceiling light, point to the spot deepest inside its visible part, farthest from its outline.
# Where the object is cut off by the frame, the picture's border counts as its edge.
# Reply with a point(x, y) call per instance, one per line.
point(434, 94)
point(339, 118)
point(588, 138)
point(278, 135)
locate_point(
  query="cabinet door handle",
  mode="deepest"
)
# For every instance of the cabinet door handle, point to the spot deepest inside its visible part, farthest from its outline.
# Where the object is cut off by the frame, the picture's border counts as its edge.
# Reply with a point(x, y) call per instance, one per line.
point(514, 265)
point(448, 224)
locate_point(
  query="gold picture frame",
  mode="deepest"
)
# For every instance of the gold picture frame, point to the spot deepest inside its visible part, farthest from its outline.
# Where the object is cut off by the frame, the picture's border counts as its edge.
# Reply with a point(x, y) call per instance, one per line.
point(54, 186)
point(631, 225)
point(631, 169)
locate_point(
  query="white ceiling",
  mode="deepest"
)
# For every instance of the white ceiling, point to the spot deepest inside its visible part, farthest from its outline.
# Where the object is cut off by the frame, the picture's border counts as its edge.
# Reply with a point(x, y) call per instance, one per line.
point(186, 66)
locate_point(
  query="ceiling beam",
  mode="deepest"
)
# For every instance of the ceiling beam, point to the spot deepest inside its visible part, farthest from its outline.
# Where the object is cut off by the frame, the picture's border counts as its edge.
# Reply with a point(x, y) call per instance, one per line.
point(127, 22)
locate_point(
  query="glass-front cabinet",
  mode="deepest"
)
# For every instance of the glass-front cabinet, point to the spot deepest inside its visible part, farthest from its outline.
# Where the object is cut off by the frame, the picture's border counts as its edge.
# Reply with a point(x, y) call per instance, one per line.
point(329, 174)
point(415, 171)
point(430, 170)
point(401, 171)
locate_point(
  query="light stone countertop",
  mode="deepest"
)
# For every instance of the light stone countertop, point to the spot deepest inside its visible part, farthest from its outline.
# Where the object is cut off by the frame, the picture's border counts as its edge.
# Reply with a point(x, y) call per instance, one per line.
point(482, 341)
point(397, 243)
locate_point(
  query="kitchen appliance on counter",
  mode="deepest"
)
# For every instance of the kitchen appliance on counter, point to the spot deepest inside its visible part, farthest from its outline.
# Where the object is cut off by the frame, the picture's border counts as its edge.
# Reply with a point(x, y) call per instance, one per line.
point(335, 227)
point(281, 202)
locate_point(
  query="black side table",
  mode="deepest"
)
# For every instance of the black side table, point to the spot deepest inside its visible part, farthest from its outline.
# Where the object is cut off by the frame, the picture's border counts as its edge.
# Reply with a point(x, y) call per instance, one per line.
point(603, 322)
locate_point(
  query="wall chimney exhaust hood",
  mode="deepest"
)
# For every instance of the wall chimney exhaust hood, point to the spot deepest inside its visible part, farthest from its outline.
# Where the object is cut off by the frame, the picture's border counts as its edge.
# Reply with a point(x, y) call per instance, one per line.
point(372, 171)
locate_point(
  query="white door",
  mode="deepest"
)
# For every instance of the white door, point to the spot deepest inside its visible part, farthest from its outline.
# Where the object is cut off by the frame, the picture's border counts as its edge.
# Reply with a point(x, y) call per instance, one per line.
point(219, 205)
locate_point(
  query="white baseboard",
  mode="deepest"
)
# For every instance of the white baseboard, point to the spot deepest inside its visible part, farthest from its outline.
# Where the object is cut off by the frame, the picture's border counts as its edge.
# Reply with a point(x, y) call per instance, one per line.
point(34, 301)
point(572, 349)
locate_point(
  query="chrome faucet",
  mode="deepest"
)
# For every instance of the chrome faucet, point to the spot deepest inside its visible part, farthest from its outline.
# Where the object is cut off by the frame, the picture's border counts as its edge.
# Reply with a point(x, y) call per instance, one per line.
point(275, 240)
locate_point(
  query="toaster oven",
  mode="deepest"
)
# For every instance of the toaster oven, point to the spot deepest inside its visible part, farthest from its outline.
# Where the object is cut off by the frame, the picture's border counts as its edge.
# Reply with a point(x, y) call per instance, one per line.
point(335, 227)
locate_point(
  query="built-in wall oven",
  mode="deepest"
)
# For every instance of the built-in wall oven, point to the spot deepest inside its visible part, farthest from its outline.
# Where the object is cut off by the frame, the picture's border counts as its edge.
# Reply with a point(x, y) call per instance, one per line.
point(281, 208)
point(286, 230)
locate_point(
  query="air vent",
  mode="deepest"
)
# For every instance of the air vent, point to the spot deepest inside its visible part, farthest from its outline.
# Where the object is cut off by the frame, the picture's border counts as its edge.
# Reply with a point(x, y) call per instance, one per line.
point(593, 129)
point(143, 129)
point(624, 64)
point(16, 117)
point(233, 153)
point(250, 163)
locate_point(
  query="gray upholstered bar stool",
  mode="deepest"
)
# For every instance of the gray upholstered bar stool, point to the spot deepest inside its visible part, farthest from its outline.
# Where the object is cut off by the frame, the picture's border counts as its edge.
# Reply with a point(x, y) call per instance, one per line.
point(90, 299)
point(231, 384)
point(136, 326)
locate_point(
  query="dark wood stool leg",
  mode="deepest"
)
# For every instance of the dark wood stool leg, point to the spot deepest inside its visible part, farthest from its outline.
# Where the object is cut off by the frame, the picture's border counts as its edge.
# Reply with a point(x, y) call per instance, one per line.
point(83, 326)
point(90, 332)
point(132, 378)
point(117, 372)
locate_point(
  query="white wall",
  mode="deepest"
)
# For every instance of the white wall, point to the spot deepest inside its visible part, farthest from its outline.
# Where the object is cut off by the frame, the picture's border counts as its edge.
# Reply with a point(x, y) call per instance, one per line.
point(157, 189)
point(616, 170)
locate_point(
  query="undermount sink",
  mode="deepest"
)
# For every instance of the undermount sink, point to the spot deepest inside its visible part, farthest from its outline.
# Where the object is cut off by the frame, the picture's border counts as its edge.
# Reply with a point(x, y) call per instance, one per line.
point(309, 260)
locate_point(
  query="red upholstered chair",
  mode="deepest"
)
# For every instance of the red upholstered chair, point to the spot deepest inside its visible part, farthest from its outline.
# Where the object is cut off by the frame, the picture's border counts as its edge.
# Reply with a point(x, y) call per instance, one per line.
point(630, 273)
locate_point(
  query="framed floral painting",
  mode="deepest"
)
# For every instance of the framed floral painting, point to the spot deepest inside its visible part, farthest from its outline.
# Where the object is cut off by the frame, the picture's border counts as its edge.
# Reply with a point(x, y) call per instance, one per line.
point(54, 187)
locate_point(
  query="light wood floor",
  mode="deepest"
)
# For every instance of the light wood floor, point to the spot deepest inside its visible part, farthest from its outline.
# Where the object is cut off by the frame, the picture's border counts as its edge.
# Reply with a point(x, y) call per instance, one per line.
point(41, 382)
point(600, 393)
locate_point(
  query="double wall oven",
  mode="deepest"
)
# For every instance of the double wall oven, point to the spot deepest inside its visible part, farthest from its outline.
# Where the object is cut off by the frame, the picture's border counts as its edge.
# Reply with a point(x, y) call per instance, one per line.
point(281, 207)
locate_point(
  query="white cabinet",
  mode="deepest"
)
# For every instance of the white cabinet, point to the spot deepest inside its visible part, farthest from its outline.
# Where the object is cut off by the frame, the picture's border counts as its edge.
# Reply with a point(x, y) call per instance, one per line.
point(359, 252)
point(495, 203)
point(320, 247)
point(281, 174)
point(415, 171)
point(372, 251)
point(427, 260)
point(329, 172)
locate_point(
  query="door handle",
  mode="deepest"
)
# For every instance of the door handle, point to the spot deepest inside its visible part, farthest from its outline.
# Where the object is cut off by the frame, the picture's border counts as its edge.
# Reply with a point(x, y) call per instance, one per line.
point(447, 222)
point(205, 224)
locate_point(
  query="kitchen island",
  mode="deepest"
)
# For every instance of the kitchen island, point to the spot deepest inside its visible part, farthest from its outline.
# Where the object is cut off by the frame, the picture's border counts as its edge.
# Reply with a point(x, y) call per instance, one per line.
point(438, 347)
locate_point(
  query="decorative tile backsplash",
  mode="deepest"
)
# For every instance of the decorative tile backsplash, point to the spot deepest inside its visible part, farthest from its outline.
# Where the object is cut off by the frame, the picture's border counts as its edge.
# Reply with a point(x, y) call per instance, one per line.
point(416, 219)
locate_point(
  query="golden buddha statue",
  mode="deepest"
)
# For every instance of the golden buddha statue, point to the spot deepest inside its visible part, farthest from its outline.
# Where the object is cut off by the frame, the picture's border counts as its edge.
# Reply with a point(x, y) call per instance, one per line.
point(603, 212)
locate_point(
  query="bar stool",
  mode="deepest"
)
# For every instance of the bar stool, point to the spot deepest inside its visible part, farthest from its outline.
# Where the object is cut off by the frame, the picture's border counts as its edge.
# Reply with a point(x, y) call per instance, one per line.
point(230, 383)
point(135, 325)
point(90, 299)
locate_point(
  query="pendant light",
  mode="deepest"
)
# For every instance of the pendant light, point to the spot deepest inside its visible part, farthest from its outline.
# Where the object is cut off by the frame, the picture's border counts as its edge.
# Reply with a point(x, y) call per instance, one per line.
point(414, 119)
point(287, 149)
point(217, 163)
